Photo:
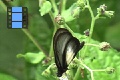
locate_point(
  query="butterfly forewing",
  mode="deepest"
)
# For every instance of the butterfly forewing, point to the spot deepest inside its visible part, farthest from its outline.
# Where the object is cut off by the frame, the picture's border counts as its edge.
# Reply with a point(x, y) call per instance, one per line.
point(71, 49)
point(61, 42)
point(58, 32)
point(60, 39)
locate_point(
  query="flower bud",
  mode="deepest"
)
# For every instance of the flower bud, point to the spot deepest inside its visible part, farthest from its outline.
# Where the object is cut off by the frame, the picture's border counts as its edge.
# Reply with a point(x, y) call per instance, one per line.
point(75, 12)
point(104, 46)
point(46, 61)
point(110, 70)
point(59, 19)
point(109, 13)
point(102, 10)
point(81, 4)
point(46, 73)
point(87, 32)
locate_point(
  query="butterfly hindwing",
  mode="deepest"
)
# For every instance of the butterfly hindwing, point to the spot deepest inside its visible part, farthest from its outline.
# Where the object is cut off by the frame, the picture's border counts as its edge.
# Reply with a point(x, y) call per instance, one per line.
point(71, 49)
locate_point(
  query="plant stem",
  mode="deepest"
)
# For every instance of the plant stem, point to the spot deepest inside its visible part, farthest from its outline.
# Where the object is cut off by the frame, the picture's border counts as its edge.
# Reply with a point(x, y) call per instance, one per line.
point(63, 5)
point(55, 27)
point(92, 22)
point(54, 6)
point(3, 5)
point(91, 31)
point(51, 46)
point(78, 70)
point(92, 76)
point(52, 17)
point(34, 41)
point(68, 28)
point(78, 74)
point(88, 44)
point(99, 70)
point(88, 40)
point(27, 32)
point(91, 28)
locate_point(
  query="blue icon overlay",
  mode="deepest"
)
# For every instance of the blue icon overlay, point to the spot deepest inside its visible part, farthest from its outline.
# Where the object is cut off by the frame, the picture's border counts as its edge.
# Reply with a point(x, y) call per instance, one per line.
point(17, 17)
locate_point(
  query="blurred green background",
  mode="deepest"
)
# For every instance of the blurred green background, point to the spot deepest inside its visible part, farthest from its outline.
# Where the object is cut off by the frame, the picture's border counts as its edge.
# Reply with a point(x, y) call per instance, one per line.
point(14, 41)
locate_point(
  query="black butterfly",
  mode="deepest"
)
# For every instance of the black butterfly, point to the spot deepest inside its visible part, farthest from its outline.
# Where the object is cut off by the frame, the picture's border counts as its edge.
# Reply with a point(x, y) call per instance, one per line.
point(65, 49)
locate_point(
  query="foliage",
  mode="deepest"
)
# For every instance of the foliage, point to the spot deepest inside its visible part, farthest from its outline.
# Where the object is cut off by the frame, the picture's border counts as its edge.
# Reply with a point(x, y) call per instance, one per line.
point(6, 77)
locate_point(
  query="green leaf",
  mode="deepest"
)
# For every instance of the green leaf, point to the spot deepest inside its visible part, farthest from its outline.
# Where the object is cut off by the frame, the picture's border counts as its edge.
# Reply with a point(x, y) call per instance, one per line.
point(6, 77)
point(67, 14)
point(45, 8)
point(33, 58)
point(102, 60)
point(98, 59)
point(39, 72)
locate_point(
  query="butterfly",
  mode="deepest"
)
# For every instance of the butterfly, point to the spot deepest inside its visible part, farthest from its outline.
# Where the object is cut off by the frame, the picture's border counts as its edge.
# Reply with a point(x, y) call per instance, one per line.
point(65, 49)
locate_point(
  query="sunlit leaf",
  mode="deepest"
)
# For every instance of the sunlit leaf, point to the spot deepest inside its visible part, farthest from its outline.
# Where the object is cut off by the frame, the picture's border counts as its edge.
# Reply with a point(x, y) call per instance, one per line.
point(6, 77)
point(45, 8)
point(33, 58)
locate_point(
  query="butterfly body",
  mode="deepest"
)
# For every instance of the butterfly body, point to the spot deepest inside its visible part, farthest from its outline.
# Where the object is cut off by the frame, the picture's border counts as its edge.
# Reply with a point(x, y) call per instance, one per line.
point(65, 49)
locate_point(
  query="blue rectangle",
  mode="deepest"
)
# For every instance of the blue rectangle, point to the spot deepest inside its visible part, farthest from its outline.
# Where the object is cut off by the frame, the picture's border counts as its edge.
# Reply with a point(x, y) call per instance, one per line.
point(16, 16)
point(16, 24)
point(16, 9)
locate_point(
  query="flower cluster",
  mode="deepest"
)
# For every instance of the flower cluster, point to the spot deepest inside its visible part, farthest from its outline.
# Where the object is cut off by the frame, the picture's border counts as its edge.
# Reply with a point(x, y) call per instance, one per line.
point(80, 6)
point(102, 10)
point(59, 19)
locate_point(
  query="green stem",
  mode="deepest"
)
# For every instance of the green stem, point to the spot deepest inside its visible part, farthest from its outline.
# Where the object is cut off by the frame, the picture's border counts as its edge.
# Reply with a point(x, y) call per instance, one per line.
point(51, 65)
point(88, 44)
point(91, 28)
point(3, 5)
point(63, 5)
point(55, 27)
point(92, 22)
point(88, 41)
point(92, 76)
point(34, 41)
point(52, 17)
point(51, 46)
point(91, 31)
point(77, 75)
point(68, 28)
point(26, 32)
point(99, 70)
point(89, 38)
point(54, 6)
point(90, 70)
point(78, 70)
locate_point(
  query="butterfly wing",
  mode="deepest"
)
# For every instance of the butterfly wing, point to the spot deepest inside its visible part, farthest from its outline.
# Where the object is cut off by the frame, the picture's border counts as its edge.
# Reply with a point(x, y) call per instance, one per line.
point(58, 32)
point(60, 39)
point(65, 49)
point(71, 49)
